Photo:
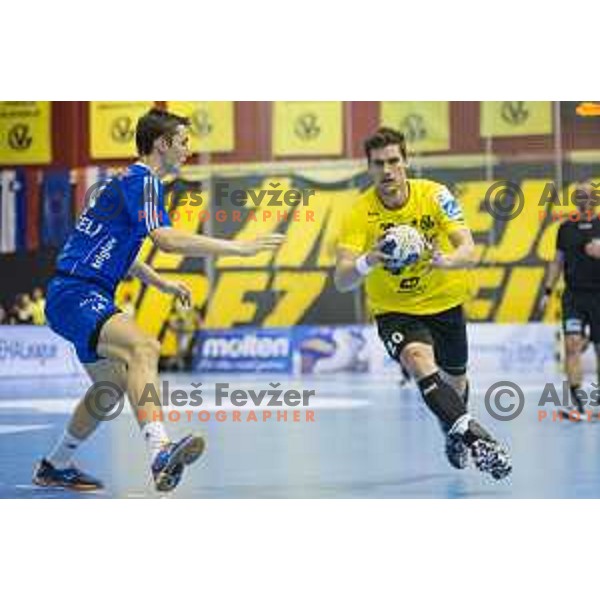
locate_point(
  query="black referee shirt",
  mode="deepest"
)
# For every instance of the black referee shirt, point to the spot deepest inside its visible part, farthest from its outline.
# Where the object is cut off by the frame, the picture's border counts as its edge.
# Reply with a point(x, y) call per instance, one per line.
point(582, 273)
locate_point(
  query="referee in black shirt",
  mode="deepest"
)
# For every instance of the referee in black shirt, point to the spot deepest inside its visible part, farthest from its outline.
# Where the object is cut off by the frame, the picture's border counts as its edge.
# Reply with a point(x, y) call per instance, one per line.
point(578, 256)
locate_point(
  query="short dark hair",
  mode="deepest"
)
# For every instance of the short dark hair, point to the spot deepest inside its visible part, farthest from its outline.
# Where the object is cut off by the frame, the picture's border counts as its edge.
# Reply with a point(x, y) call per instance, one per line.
point(383, 137)
point(154, 124)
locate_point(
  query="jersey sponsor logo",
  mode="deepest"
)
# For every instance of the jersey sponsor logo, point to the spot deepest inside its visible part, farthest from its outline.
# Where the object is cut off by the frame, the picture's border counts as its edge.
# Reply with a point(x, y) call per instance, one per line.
point(88, 227)
point(427, 222)
point(104, 254)
point(410, 283)
point(386, 226)
point(450, 205)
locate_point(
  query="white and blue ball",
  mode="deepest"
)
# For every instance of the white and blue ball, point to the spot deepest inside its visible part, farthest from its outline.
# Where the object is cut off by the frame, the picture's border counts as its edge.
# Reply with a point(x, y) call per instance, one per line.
point(404, 245)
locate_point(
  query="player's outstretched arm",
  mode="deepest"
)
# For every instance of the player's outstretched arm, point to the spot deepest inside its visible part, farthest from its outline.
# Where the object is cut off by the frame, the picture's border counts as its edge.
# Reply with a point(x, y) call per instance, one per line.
point(146, 274)
point(463, 255)
point(176, 241)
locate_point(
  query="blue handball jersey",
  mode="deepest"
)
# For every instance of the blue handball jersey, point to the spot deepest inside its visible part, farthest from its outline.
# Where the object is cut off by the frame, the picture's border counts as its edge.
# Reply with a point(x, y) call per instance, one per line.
point(110, 232)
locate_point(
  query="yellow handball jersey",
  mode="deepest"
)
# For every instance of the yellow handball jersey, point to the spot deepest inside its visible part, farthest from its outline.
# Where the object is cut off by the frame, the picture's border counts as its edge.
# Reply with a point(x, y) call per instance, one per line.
point(419, 289)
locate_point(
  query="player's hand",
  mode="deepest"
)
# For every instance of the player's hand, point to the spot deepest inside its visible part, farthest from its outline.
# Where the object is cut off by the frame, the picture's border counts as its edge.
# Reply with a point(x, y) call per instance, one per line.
point(592, 249)
point(376, 256)
point(543, 303)
point(262, 243)
point(442, 261)
point(181, 291)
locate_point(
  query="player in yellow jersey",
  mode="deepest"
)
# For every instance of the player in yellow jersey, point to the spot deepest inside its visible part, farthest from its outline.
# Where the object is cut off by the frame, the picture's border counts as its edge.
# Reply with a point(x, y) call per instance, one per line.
point(418, 308)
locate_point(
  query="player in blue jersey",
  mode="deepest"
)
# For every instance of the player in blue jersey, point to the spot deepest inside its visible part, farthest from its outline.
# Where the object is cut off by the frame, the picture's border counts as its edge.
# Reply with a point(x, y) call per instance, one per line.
point(80, 305)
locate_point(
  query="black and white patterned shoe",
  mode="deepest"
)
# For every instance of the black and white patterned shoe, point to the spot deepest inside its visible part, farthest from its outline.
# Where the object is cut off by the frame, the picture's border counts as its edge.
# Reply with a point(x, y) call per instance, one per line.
point(490, 457)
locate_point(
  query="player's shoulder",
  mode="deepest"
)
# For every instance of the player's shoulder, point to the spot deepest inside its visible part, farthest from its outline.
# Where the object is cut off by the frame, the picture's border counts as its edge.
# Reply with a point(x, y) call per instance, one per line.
point(432, 192)
point(437, 197)
point(138, 179)
point(138, 172)
point(428, 188)
point(568, 225)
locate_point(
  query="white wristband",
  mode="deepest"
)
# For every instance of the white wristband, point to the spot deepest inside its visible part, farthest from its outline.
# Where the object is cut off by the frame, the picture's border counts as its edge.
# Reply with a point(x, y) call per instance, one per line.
point(362, 266)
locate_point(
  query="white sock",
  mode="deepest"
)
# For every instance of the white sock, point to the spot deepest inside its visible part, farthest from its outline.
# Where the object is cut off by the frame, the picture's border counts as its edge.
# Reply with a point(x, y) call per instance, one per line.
point(61, 454)
point(155, 436)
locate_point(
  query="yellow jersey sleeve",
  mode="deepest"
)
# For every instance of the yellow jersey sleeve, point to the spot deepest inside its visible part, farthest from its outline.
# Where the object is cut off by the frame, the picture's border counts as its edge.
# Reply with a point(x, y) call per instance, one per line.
point(353, 234)
point(449, 211)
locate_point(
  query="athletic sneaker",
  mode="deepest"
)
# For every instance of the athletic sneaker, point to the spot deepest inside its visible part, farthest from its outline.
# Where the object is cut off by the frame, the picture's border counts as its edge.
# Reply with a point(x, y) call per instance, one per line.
point(167, 467)
point(46, 475)
point(490, 457)
point(457, 451)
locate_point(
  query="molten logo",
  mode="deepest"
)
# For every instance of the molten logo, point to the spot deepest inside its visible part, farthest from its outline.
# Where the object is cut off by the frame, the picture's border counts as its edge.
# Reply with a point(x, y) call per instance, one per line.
point(248, 346)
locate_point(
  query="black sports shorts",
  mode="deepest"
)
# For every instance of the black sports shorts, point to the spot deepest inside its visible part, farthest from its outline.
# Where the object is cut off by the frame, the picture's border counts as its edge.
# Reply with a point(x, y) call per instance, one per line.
point(581, 309)
point(445, 331)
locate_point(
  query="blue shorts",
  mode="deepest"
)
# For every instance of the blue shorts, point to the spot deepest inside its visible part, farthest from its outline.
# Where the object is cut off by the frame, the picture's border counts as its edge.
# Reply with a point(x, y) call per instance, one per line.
point(76, 310)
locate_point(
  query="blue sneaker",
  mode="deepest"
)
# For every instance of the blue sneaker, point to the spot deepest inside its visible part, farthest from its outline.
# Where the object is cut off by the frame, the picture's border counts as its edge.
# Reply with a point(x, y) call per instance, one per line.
point(169, 463)
point(46, 475)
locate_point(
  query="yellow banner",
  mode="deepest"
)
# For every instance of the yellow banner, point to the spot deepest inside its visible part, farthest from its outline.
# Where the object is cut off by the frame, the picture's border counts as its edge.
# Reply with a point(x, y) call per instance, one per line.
point(112, 128)
point(426, 125)
point(25, 137)
point(295, 282)
point(307, 129)
point(515, 117)
point(212, 124)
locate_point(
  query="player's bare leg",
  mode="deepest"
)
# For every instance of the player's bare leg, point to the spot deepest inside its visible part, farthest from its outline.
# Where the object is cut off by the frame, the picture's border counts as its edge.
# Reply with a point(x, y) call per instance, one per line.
point(448, 406)
point(88, 412)
point(573, 350)
point(56, 469)
point(123, 340)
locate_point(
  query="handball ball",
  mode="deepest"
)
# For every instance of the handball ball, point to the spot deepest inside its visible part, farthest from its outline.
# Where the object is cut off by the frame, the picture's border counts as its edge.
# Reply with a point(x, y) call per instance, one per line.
point(404, 245)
